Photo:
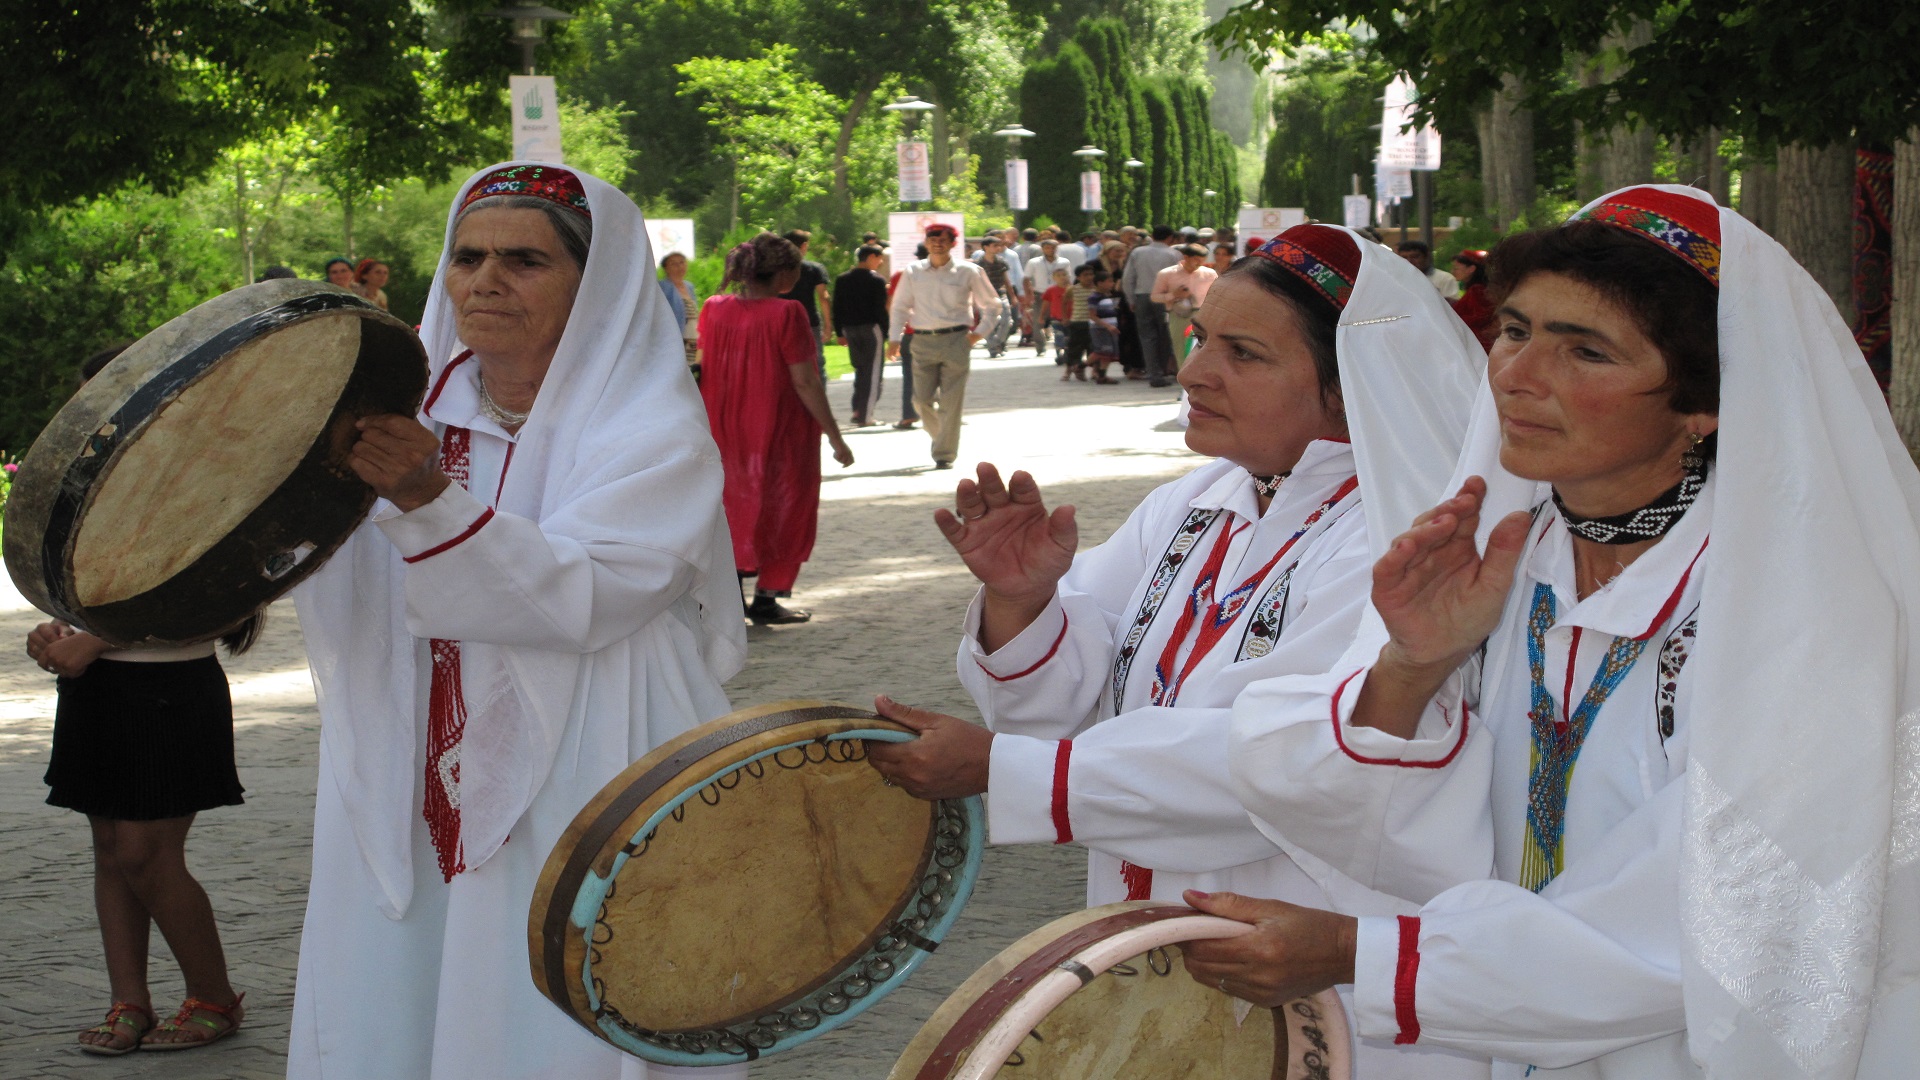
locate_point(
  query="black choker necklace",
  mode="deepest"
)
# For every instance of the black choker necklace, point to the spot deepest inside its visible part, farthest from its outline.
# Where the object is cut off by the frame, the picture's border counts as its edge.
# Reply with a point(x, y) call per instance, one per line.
point(1268, 485)
point(1650, 522)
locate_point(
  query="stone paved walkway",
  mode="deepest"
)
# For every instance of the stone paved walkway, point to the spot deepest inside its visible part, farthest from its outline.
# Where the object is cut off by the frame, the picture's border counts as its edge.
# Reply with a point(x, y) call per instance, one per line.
point(887, 596)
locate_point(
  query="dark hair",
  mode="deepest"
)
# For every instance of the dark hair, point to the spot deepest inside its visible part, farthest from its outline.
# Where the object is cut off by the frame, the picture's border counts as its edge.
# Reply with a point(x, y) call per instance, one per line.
point(867, 251)
point(1218, 248)
point(1088, 267)
point(797, 237)
point(1030, 235)
point(1672, 303)
point(92, 365)
point(573, 228)
point(242, 637)
point(762, 259)
point(328, 268)
point(919, 251)
point(1319, 320)
point(276, 272)
point(1161, 232)
point(1192, 251)
point(1479, 275)
point(1413, 245)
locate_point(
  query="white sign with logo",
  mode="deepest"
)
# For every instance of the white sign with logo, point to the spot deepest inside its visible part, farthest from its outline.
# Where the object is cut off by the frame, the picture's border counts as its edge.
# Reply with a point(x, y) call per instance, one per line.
point(1392, 185)
point(668, 235)
point(536, 118)
point(1356, 209)
point(1017, 183)
point(916, 173)
point(1402, 145)
point(907, 231)
point(1090, 191)
point(1263, 223)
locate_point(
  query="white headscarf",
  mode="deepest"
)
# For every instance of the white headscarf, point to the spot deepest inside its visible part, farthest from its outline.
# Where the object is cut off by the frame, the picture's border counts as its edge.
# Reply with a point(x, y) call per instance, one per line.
point(616, 401)
point(1800, 857)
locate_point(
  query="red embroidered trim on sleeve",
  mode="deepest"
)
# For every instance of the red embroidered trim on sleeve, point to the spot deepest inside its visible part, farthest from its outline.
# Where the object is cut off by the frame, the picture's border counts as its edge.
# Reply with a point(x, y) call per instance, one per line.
point(456, 541)
point(1404, 975)
point(1339, 739)
point(1037, 664)
point(1062, 824)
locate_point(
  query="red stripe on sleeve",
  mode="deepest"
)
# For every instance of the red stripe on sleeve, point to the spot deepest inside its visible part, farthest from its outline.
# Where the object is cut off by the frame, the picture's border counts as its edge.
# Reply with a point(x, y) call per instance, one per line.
point(1062, 824)
point(456, 541)
point(1341, 741)
point(1037, 664)
point(1404, 975)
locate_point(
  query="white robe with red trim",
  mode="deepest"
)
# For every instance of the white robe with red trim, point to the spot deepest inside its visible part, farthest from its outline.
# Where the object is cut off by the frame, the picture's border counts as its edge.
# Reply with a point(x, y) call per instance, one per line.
point(1583, 979)
point(1146, 787)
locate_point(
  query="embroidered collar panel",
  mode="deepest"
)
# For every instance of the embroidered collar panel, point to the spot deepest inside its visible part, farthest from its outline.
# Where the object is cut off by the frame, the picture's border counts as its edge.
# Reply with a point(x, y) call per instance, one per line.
point(458, 403)
point(1629, 604)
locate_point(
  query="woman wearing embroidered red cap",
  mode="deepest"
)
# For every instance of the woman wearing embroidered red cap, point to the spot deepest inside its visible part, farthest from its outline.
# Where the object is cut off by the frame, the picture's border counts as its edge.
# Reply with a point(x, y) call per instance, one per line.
point(1332, 385)
point(1691, 768)
point(1473, 305)
point(545, 593)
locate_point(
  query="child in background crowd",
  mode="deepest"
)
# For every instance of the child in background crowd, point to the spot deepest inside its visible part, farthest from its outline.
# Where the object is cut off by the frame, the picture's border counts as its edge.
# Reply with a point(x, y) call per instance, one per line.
point(1055, 299)
point(1079, 312)
point(1104, 326)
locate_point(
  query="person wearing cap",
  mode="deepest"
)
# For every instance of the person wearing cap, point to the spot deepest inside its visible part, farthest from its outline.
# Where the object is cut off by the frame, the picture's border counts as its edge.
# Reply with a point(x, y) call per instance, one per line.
point(1331, 390)
point(1180, 289)
point(1038, 277)
point(1473, 305)
point(1150, 317)
point(1633, 728)
point(946, 301)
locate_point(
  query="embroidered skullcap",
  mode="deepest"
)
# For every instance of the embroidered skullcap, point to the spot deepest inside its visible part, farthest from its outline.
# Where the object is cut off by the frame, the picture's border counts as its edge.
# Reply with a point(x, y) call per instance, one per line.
point(1473, 256)
point(942, 227)
point(1688, 227)
point(1323, 257)
point(540, 181)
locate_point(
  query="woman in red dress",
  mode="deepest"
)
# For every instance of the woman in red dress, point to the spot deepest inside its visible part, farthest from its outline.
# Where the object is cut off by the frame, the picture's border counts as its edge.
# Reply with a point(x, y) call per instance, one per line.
point(761, 382)
point(1473, 305)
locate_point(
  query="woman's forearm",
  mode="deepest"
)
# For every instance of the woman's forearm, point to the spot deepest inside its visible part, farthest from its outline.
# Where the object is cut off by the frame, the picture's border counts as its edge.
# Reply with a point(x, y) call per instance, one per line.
point(1398, 691)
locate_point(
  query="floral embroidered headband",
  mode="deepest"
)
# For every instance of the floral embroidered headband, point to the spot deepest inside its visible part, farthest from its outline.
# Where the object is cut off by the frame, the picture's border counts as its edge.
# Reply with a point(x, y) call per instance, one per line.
point(1323, 257)
point(540, 181)
point(1686, 226)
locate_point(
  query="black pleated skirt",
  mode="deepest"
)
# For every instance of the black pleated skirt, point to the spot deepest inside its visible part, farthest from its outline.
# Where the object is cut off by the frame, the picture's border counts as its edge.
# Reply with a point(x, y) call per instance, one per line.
point(139, 741)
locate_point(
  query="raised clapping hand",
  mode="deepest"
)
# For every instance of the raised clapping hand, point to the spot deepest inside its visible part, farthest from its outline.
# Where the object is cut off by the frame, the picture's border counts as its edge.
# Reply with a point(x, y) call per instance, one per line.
point(1437, 594)
point(400, 459)
point(1292, 952)
point(1018, 550)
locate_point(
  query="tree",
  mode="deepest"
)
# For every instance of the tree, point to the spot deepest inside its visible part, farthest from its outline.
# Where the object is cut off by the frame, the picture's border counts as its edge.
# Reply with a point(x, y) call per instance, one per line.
point(776, 126)
point(1325, 130)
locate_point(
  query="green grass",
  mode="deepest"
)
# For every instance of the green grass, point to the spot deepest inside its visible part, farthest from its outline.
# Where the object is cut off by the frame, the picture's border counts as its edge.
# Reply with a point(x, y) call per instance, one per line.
point(838, 363)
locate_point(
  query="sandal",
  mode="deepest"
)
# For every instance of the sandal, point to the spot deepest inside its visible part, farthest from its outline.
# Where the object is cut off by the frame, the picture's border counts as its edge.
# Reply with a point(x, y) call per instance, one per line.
point(223, 1021)
point(122, 1012)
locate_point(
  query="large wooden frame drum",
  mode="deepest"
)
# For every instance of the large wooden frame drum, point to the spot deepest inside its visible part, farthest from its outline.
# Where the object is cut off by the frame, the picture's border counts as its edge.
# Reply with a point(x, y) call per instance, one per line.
point(1101, 995)
point(204, 473)
point(748, 886)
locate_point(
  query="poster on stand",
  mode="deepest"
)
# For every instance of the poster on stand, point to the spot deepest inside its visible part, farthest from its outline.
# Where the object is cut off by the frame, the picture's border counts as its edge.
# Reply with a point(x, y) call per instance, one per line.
point(1263, 223)
point(905, 231)
point(1017, 184)
point(916, 174)
point(1357, 210)
point(536, 118)
point(1090, 192)
point(1402, 145)
point(668, 235)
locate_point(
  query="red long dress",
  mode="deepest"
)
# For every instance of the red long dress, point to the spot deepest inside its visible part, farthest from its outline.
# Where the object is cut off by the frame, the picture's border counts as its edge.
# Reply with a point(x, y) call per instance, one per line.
point(1475, 308)
point(769, 443)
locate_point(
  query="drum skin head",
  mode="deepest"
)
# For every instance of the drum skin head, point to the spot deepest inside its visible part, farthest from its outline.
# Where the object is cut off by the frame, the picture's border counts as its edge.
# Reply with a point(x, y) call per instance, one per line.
point(1140, 1019)
point(747, 887)
point(202, 474)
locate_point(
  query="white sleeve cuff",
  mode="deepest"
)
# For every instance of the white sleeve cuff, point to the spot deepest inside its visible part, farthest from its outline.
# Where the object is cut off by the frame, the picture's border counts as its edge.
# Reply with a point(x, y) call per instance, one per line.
point(1030, 648)
point(1026, 790)
point(446, 522)
point(1442, 728)
point(1376, 968)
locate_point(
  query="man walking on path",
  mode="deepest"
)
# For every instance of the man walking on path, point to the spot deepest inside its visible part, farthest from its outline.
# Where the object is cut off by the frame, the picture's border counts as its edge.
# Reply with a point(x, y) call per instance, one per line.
point(1004, 277)
point(860, 298)
point(938, 295)
point(811, 292)
point(1038, 275)
point(1150, 319)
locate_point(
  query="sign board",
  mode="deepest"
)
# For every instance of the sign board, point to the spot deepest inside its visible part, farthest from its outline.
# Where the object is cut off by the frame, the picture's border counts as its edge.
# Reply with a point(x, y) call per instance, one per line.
point(1090, 191)
point(905, 231)
point(668, 235)
point(916, 173)
point(1402, 145)
point(1263, 224)
point(1017, 183)
point(1392, 185)
point(536, 118)
point(1356, 210)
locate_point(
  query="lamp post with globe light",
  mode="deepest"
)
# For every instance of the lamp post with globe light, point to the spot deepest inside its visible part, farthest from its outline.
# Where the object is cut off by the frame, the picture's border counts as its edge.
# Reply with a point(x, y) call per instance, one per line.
point(529, 27)
point(916, 170)
point(1016, 169)
point(1090, 180)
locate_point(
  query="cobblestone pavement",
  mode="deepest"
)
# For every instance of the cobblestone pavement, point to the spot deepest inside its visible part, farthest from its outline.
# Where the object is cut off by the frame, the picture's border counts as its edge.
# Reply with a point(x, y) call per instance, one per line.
point(887, 596)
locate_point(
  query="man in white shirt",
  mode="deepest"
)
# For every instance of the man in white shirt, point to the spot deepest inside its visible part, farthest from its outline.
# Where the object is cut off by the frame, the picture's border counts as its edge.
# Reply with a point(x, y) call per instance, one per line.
point(1038, 276)
point(1419, 254)
point(1151, 318)
point(1180, 289)
point(938, 296)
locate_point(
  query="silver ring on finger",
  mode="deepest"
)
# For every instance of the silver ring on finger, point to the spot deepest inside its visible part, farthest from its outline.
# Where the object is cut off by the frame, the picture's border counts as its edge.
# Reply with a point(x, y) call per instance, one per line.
point(1223, 984)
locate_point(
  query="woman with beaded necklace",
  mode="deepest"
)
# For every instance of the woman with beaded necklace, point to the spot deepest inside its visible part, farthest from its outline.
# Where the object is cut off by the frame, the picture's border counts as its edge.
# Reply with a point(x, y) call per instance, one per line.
point(1652, 666)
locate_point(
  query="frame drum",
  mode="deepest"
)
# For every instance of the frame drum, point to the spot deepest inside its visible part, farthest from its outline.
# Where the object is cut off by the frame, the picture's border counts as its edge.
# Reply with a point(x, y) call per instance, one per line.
point(1100, 995)
point(748, 886)
point(203, 473)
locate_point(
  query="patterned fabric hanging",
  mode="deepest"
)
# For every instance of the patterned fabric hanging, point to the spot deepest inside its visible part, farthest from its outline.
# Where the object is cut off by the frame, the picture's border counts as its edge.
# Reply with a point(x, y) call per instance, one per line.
point(447, 705)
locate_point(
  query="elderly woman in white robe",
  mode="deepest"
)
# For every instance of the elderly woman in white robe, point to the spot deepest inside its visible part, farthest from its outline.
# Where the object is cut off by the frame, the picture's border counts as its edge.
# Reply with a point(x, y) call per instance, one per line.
point(1634, 729)
point(1332, 386)
point(519, 620)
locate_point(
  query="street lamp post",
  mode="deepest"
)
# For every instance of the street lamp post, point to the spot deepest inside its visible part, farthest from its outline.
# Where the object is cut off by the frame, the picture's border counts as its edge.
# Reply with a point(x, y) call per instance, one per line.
point(528, 27)
point(1207, 205)
point(1016, 169)
point(1136, 163)
point(1089, 180)
point(921, 189)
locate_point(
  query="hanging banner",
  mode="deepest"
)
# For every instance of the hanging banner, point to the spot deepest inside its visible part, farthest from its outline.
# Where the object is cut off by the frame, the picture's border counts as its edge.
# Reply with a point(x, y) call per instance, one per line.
point(1257, 225)
point(1402, 145)
point(1356, 210)
point(668, 235)
point(1017, 183)
point(916, 173)
point(1392, 185)
point(536, 118)
point(1090, 192)
point(907, 231)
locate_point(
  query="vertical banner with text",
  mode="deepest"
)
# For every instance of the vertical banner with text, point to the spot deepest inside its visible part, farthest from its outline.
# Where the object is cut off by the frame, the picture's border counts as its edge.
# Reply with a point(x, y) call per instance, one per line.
point(916, 175)
point(1403, 146)
point(1356, 209)
point(536, 118)
point(1017, 184)
point(1090, 192)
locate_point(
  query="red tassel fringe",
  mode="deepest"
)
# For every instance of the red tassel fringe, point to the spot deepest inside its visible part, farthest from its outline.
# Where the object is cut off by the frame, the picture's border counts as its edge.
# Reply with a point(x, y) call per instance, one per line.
point(1139, 881)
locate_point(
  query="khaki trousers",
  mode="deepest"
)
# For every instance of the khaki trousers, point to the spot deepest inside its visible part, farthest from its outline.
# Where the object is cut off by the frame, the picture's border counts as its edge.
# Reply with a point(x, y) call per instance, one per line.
point(940, 366)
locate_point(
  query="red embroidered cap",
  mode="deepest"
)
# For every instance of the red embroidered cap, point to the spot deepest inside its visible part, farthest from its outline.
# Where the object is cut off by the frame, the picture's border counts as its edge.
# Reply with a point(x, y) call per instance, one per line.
point(540, 181)
point(1684, 225)
point(1323, 257)
point(942, 227)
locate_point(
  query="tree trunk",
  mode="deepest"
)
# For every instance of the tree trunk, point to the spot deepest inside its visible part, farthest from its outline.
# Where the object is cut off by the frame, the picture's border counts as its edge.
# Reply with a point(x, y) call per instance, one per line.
point(1506, 154)
point(1619, 156)
point(346, 214)
point(842, 145)
point(940, 153)
point(240, 227)
point(1760, 194)
point(1699, 164)
point(1815, 216)
point(1905, 393)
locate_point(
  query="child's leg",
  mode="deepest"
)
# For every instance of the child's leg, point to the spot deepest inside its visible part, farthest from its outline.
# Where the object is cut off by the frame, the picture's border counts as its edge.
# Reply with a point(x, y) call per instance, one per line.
point(124, 928)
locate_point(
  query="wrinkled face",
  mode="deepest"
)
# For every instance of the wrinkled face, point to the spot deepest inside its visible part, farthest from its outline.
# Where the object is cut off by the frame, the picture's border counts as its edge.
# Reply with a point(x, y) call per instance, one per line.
point(1250, 380)
point(512, 284)
point(340, 274)
point(1579, 389)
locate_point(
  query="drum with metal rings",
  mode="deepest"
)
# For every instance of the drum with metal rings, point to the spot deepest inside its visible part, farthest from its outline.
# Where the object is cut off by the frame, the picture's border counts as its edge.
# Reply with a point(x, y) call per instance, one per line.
point(748, 886)
point(1102, 995)
point(203, 473)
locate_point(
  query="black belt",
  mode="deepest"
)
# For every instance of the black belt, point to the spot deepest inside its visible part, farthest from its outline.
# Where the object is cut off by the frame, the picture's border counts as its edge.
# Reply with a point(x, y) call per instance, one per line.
point(942, 330)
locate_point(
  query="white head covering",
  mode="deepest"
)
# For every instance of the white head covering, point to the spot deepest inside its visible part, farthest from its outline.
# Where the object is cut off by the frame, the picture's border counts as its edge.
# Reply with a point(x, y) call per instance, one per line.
point(615, 402)
point(1800, 857)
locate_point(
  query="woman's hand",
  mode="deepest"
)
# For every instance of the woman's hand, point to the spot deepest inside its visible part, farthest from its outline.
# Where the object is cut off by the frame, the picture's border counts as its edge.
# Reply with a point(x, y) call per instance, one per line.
point(1017, 549)
point(841, 452)
point(948, 760)
point(1438, 596)
point(400, 459)
point(44, 635)
point(1292, 952)
point(61, 649)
